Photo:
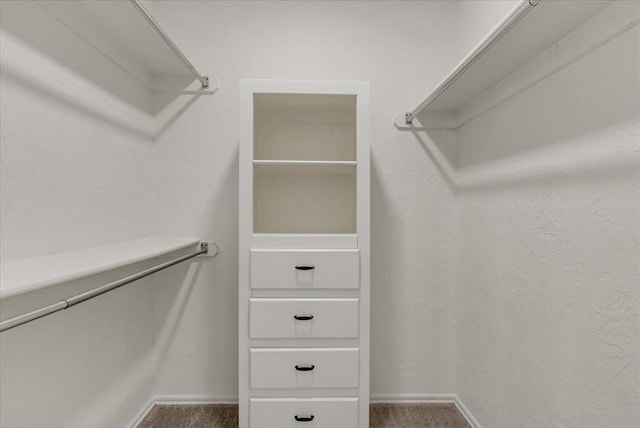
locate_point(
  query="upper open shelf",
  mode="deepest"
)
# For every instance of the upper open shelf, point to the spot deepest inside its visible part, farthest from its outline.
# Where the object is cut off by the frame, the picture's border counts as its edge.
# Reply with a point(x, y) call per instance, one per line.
point(304, 163)
point(527, 30)
point(125, 31)
point(304, 127)
point(25, 275)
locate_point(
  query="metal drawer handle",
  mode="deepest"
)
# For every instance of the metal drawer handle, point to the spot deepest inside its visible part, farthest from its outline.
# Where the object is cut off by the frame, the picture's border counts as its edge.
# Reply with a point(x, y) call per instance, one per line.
point(303, 317)
point(304, 418)
point(303, 267)
point(305, 368)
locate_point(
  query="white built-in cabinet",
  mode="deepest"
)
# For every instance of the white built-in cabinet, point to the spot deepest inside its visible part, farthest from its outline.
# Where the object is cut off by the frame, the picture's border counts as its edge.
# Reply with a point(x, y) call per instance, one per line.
point(304, 254)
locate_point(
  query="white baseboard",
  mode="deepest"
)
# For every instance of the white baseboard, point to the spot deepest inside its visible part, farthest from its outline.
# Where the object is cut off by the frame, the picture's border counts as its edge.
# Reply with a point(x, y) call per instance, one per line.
point(466, 413)
point(412, 398)
point(375, 398)
point(195, 399)
point(428, 398)
point(141, 414)
point(179, 399)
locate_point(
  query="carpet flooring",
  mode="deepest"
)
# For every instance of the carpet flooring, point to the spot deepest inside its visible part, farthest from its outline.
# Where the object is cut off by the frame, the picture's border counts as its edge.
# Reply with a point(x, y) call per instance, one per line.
point(429, 415)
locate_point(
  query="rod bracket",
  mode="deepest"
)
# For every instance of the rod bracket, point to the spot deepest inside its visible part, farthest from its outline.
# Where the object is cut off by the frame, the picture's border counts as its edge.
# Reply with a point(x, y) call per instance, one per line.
point(408, 117)
point(205, 81)
point(210, 247)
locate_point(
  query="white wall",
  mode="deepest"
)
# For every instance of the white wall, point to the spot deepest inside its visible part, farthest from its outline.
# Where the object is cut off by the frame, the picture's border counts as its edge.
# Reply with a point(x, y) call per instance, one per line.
point(403, 49)
point(547, 300)
point(477, 18)
point(76, 171)
point(75, 140)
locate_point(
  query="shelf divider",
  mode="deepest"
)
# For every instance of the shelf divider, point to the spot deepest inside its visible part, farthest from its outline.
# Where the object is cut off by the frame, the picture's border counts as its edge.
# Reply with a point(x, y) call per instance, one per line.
point(304, 166)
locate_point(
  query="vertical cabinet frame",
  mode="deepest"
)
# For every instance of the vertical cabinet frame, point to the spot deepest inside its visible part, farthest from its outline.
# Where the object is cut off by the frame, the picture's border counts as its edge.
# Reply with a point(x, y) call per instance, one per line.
point(354, 239)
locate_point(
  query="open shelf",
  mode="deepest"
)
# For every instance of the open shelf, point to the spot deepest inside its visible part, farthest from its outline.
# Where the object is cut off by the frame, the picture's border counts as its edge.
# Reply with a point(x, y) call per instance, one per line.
point(304, 201)
point(304, 167)
point(124, 31)
point(25, 275)
point(523, 34)
point(305, 127)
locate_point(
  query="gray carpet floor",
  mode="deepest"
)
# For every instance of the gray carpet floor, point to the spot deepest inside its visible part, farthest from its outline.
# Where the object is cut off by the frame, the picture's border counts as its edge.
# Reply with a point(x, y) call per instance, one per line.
point(431, 415)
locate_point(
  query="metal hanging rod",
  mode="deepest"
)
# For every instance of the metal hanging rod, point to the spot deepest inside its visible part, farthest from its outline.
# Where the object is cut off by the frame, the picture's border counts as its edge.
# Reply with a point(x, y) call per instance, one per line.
point(501, 29)
point(83, 297)
point(204, 80)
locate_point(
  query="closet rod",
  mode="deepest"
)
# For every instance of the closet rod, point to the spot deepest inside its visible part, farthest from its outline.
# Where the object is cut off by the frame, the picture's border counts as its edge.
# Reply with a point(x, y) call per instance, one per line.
point(204, 80)
point(83, 297)
point(496, 34)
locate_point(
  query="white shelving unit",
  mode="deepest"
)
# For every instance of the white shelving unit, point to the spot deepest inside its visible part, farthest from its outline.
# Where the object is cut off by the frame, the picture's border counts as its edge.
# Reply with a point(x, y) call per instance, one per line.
point(525, 32)
point(24, 275)
point(304, 254)
point(126, 32)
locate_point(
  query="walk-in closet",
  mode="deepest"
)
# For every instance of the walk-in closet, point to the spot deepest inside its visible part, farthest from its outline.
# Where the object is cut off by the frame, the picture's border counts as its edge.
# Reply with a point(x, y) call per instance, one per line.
point(319, 214)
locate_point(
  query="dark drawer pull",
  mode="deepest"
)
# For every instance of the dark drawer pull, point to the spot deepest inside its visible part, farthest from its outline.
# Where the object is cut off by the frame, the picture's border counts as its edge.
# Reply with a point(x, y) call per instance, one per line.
point(304, 418)
point(303, 317)
point(305, 368)
point(299, 267)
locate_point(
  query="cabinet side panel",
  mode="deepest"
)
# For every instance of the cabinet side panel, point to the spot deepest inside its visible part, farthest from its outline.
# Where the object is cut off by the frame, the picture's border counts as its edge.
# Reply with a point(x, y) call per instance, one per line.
point(245, 221)
point(363, 228)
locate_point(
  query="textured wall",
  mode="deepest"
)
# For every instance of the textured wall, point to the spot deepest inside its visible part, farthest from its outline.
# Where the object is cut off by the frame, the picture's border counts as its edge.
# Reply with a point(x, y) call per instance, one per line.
point(547, 304)
point(76, 147)
point(477, 18)
point(403, 49)
point(76, 171)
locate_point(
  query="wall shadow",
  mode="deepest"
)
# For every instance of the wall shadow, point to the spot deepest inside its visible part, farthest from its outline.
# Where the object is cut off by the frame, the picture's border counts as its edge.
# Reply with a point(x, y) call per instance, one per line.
point(164, 99)
point(30, 24)
point(381, 280)
point(563, 126)
point(93, 112)
point(36, 27)
point(176, 287)
point(106, 342)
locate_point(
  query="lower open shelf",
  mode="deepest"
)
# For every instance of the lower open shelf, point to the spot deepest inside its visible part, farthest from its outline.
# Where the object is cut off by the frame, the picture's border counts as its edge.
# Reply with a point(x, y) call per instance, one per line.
point(308, 200)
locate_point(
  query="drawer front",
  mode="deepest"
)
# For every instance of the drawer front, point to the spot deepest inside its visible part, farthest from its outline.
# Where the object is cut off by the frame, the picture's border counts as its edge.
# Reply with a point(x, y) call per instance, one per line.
point(324, 412)
point(305, 269)
point(308, 318)
point(304, 368)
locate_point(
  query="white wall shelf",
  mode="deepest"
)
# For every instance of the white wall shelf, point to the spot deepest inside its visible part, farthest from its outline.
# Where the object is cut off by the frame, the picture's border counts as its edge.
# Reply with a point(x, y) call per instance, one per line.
point(24, 275)
point(525, 32)
point(126, 33)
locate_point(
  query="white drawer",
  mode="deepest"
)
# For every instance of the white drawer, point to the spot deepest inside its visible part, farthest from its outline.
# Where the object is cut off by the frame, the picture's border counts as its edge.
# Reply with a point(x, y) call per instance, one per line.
point(282, 412)
point(305, 269)
point(304, 368)
point(309, 318)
